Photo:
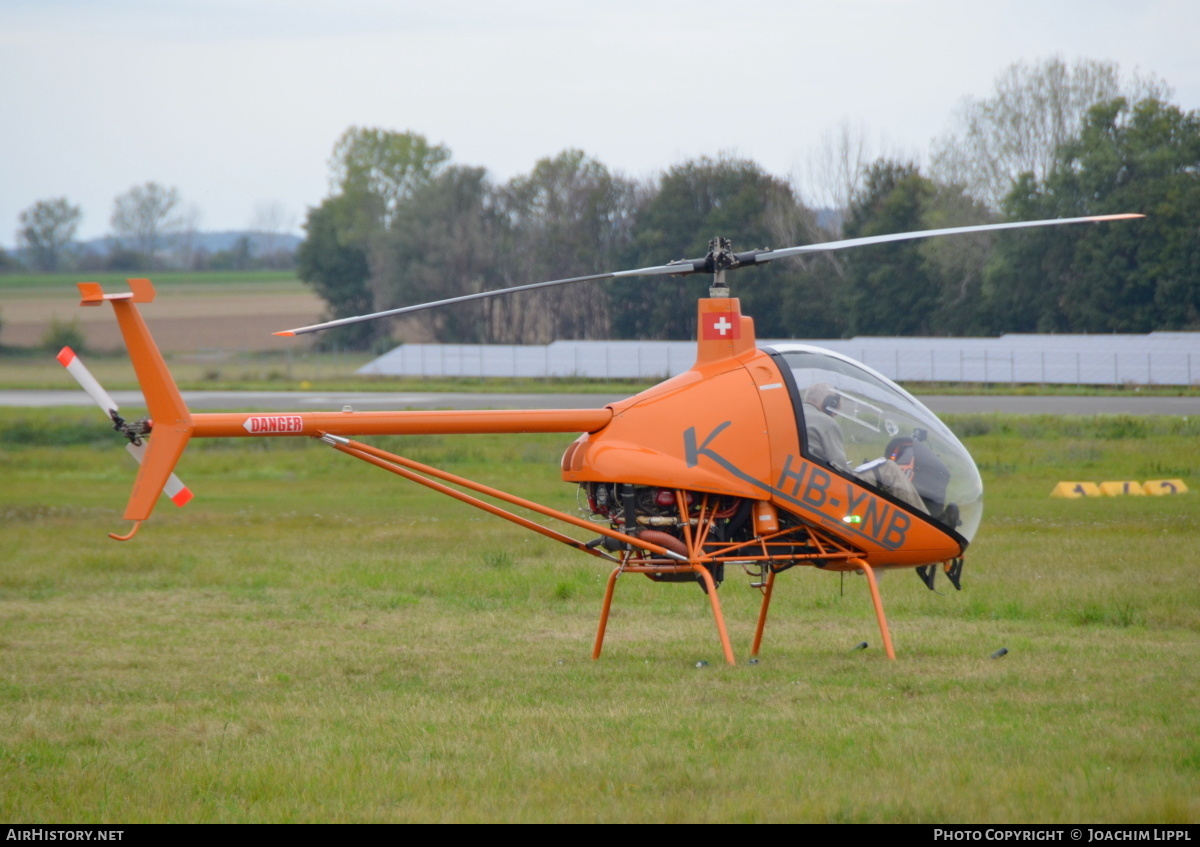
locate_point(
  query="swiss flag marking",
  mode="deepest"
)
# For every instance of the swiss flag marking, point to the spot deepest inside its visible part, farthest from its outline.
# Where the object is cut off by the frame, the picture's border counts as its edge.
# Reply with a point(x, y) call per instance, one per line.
point(721, 326)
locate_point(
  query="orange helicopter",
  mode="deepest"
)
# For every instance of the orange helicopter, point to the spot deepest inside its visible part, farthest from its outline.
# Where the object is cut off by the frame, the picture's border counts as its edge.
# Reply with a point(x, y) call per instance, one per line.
point(742, 460)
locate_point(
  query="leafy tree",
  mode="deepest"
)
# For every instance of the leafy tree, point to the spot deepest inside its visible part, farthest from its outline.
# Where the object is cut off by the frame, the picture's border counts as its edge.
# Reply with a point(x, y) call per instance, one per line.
point(1131, 277)
point(338, 272)
point(376, 170)
point(444, 242)
point(457, 234)
point(48, 231)
point(890, 289)
point(143, 216)
point(570, 216)
point(1033, 111)
point(694, 202)
point(373, 172)
point(957, 263)
point(62, 334)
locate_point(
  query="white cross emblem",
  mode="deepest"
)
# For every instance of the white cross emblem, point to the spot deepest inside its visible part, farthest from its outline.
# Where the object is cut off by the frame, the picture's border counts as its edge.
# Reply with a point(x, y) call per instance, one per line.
point(722, 325)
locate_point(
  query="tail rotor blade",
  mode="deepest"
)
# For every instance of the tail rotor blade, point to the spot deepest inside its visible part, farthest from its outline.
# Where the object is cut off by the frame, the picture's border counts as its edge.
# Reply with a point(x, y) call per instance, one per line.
point(75, 367)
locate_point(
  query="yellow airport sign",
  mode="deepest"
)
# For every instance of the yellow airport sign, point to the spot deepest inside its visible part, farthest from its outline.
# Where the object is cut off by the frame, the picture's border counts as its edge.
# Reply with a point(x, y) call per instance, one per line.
point(1118, 489)
point(1075, 490)
point(1159, 487)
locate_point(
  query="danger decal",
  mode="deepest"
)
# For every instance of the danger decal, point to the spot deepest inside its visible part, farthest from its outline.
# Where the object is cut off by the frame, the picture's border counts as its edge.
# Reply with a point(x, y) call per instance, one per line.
point(272, 424)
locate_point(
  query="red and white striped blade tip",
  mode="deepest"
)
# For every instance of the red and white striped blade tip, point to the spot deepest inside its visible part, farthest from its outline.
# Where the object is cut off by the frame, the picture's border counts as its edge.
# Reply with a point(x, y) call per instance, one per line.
point(75, 367)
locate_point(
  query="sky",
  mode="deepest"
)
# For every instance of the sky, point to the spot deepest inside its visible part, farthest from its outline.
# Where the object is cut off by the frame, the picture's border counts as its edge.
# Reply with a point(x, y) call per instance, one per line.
point(238, 103)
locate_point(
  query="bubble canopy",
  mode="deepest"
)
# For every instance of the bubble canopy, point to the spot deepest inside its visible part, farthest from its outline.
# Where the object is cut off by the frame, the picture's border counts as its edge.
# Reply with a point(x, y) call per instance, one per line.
point(880, 420)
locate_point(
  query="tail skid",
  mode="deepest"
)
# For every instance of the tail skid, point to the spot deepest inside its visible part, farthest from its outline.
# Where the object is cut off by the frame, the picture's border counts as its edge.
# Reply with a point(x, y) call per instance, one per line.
point(172, 424)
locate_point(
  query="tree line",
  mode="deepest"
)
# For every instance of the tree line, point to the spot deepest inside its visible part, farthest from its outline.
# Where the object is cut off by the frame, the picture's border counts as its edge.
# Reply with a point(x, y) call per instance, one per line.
point(151, 229)
point(405, 224)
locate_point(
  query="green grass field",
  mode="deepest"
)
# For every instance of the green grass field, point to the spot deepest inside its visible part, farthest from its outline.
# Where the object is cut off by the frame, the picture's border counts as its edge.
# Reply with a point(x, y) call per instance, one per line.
point(315, 640)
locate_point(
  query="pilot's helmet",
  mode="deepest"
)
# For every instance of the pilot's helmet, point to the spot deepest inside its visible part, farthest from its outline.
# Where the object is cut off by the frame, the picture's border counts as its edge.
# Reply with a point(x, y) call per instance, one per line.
point(824, 396)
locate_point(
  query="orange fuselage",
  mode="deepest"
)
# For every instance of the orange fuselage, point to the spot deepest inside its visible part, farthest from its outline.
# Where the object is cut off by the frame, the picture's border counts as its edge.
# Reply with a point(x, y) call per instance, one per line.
point(728, 426)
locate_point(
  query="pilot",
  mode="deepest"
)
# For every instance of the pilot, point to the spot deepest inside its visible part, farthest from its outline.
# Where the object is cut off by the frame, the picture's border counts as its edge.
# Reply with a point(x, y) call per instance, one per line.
point(826, 443)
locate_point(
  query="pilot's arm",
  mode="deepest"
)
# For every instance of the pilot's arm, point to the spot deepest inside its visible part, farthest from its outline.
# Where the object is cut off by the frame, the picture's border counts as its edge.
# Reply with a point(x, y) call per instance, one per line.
point(825, 440)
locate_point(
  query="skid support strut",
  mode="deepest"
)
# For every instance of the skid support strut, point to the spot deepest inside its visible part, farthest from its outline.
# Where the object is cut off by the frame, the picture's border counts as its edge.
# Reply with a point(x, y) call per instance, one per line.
point(665, 561)
point(762, 613)
point(878, 603)
point(660, 570)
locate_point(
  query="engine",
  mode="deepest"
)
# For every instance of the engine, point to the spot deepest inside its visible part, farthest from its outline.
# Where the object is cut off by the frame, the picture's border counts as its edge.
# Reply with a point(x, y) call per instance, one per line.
point(655, 514)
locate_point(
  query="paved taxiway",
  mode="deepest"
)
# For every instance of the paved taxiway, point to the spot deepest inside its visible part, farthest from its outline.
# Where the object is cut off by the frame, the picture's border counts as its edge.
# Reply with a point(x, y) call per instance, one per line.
point(315, 401)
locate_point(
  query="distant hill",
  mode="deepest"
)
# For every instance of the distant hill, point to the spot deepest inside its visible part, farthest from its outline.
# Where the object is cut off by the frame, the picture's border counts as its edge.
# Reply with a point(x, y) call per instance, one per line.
point(209, 242)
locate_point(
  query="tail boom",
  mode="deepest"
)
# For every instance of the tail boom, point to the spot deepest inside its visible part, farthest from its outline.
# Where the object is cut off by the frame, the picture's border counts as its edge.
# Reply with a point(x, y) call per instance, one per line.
point(173, 425)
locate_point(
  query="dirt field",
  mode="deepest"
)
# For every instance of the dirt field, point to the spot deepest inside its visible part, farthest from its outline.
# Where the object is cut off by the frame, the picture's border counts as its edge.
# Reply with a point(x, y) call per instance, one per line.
point(182, 321)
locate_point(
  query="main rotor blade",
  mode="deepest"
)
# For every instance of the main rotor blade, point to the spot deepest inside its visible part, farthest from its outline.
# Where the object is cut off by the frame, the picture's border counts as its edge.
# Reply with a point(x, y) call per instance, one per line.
point(680, 268)
point(67, 358)
point(771, 255)
point(690, 266)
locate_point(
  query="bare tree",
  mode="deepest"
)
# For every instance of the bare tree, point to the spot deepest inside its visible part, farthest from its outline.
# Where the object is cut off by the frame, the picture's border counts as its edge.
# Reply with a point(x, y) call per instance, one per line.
point(833, 175)
point(835, 170)
point(47, 230)
point(144, 215)
point(1033, 110)
point(270, 222)
point(186, 236)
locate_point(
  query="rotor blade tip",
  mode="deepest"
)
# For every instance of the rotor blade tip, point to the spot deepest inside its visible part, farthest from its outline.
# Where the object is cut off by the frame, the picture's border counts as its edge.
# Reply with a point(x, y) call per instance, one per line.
point(65, 356)
point(287, 333)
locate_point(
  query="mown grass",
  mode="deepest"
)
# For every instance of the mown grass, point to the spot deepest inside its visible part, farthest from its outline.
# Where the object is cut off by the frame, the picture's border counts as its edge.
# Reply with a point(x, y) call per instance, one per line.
point(312, 639)
point(1016, 389)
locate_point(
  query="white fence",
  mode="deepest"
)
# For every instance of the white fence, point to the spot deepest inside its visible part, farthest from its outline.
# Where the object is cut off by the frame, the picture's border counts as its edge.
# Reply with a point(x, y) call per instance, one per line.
point(1161, 358)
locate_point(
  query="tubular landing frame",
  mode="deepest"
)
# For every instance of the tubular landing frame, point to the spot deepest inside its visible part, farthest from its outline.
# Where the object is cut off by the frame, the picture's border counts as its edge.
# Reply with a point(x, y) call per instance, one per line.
point(699, 553)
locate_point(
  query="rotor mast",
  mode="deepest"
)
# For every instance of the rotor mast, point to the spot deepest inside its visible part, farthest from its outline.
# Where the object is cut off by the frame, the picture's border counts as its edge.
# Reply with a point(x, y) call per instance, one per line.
point(720, 258)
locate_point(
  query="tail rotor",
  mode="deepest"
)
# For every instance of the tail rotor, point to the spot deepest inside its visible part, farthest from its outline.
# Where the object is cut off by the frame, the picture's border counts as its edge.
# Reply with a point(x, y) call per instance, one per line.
point(134, 431)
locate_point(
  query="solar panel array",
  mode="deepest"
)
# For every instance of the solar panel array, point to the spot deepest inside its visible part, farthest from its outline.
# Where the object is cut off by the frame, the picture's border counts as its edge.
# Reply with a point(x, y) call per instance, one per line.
point(1160, 358)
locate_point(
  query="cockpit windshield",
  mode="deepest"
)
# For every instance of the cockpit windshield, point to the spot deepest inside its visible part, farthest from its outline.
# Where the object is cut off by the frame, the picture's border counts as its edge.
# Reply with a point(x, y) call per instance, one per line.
point(863, 424)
